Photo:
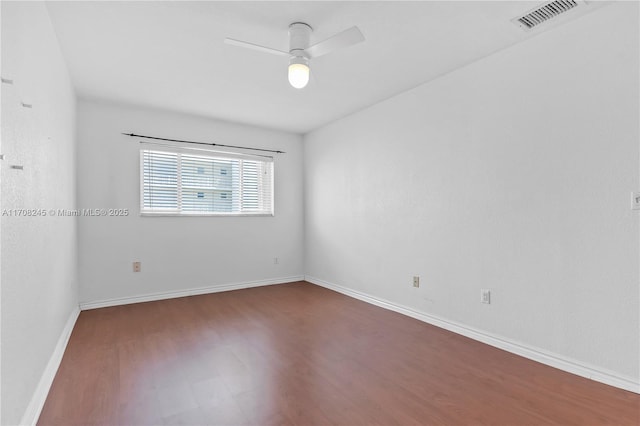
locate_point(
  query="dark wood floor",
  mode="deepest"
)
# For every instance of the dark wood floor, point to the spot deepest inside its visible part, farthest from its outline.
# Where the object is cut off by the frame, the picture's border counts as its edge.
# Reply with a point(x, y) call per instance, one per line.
point(298, 354)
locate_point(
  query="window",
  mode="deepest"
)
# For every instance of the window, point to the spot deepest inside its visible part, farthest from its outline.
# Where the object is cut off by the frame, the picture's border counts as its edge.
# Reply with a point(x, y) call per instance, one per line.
point(185, 182)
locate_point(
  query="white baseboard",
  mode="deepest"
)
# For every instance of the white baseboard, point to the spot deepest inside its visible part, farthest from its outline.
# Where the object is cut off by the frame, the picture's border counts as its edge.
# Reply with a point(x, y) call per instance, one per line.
point(540, 355)
point(183, 293)
point(39, 397)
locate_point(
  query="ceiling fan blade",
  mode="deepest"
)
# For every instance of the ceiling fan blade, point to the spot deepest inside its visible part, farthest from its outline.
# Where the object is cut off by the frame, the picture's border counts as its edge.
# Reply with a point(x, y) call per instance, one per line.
point(257, 47)
point(344, 39)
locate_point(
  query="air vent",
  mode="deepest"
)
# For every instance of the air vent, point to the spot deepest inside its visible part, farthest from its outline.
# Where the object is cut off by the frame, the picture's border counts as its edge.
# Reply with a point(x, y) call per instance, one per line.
point(547, 11)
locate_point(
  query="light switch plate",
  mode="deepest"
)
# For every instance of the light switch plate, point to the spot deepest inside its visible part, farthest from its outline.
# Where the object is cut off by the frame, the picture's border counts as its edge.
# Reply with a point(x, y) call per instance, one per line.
point(485, 295)
point(635, 201)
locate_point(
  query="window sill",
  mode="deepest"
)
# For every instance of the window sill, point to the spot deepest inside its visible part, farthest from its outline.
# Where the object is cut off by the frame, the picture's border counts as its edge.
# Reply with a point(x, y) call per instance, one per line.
point(162, 214)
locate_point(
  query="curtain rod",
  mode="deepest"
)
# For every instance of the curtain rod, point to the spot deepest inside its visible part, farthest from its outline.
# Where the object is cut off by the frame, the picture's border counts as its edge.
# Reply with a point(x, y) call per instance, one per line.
point(133, 135)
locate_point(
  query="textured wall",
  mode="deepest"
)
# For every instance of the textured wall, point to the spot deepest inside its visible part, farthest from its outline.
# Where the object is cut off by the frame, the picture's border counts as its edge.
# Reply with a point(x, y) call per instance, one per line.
point(39, 285)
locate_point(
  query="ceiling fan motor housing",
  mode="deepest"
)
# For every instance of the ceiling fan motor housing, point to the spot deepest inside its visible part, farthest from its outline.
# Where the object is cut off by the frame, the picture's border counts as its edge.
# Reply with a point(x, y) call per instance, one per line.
point(299, 39)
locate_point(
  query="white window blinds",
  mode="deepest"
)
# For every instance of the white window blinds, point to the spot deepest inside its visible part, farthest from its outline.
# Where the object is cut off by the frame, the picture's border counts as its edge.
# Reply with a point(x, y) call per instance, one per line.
point(186, 183)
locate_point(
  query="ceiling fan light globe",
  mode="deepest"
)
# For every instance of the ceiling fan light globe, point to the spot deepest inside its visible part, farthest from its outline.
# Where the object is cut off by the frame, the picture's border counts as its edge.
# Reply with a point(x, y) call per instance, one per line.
point(298, 75)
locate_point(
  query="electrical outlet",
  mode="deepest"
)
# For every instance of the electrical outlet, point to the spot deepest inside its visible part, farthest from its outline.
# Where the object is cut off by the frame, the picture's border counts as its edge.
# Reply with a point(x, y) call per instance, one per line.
point(136, 266)
point(485, 295)
point(416, 281)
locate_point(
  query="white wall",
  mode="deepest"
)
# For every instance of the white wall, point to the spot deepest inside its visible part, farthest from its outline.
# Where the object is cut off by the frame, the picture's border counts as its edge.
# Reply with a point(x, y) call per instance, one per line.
point(177, 253)
point(39, 284)
point(513, 173)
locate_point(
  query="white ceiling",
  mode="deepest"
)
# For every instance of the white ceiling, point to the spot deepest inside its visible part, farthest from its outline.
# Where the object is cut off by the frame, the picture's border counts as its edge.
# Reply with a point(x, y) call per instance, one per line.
point(171, 55)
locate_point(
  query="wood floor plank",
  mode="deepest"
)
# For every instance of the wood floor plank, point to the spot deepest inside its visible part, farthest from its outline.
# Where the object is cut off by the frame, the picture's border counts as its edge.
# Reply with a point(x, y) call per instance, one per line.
point(298, 354)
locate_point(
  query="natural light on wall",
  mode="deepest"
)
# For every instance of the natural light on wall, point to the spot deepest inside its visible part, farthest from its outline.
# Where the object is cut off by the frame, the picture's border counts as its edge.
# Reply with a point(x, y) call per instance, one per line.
point(202, 183)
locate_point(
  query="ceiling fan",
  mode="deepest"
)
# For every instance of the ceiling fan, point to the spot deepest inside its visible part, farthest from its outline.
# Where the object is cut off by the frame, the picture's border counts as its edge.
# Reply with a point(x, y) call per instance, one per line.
point(300, 52)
